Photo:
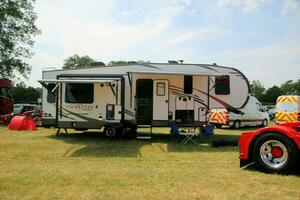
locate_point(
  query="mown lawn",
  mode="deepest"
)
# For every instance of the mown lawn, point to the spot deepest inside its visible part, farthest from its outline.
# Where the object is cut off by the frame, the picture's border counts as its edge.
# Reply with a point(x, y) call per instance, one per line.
point(38, 165)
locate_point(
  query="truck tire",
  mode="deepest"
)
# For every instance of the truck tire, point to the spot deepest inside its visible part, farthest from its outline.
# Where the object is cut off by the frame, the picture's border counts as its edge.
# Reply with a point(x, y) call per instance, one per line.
point(264, 123)
point(236, 124)
point(274, 152)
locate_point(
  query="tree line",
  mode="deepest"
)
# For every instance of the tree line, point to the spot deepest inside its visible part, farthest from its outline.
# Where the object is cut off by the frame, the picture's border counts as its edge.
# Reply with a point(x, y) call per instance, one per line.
point(270, 95)
point(76, 61)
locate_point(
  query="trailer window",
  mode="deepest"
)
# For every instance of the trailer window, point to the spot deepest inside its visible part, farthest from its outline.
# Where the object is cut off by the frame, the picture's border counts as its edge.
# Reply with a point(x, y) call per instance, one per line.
point(188, 84)
point(160, 89)
point(222, 85)
point(79, 93)
point(51, 95)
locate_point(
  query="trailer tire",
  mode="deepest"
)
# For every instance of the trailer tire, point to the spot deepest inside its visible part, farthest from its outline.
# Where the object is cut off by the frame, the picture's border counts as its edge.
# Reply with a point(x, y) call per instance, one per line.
point(283, 159)
point(128, 132)
point(110, 132)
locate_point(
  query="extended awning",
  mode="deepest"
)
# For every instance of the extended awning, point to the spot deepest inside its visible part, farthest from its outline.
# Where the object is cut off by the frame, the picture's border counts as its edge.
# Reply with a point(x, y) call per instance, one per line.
point(45, 82)
point(206, 73)
point(78, 80)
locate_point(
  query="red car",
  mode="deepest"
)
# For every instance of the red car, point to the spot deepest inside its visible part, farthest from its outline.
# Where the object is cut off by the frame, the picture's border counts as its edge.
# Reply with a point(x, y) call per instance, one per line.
point(272, 149)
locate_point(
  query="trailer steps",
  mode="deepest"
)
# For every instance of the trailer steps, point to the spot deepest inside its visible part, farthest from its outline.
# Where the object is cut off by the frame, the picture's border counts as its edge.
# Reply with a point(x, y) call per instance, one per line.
point(144, 135)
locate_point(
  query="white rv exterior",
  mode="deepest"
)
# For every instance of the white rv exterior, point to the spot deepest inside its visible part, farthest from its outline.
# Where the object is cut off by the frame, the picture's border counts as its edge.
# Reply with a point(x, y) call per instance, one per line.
point(252, 114)
point(118, 97)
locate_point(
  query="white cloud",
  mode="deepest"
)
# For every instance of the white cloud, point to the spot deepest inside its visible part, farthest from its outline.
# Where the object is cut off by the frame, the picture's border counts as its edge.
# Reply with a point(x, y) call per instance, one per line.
point(246, 6)
point(291, 5)
point(272, 64)
point(193, 34)
point(93, 29)
point(104, 36)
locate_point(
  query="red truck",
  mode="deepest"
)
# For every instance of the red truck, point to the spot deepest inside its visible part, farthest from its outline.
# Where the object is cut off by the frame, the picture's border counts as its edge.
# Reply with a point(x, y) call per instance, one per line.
point(273, 148)
point(6, 100)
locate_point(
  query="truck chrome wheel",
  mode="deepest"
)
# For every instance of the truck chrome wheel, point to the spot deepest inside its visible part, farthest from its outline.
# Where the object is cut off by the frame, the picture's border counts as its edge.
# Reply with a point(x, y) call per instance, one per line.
point(273, 153)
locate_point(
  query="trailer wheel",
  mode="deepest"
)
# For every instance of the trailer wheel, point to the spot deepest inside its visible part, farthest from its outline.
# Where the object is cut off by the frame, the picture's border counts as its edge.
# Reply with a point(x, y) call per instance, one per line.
point(128, 132)
point(237, 124)
point(264, 123)
point(110, 132)
point(274, 152)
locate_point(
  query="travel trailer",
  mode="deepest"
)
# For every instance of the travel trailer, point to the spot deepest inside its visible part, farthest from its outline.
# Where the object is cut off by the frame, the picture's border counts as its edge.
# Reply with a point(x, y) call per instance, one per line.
point(252, 114)
point(287, 109)
point(124, 97)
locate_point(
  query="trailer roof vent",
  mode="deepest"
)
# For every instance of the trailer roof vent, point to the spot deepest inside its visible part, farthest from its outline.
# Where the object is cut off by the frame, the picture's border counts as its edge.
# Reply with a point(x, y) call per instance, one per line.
point(172, 62)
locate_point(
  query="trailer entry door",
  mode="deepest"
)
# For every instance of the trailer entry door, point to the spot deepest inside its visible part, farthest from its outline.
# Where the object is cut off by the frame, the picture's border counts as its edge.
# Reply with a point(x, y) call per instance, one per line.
point(161, 100)
point(144, 101)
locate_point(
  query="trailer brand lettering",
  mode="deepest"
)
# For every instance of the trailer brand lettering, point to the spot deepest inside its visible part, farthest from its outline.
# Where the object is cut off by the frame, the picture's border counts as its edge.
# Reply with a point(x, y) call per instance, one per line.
point(80, 107)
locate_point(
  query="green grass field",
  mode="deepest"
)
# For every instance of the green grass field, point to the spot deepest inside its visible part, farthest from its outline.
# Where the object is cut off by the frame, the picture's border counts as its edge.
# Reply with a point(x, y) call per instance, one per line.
point(38, 165)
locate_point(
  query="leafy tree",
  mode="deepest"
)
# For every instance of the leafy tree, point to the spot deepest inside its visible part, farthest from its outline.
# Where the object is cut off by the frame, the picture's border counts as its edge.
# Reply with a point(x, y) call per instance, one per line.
point(21, 93)
point(17, 28)
point(297, 86)
point(122, 62)
point(118, 62)
point(257, 89)
point(272, 94)
point(290, 87)
point(77, 61)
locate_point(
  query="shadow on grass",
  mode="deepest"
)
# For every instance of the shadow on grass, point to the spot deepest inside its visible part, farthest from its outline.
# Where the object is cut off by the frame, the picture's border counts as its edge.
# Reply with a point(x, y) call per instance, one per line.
point(253, 168)
point(95, 144)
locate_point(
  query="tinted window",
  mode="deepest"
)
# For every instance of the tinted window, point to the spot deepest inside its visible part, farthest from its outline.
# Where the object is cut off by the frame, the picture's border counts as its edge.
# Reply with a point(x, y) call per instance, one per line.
point(5, 92)
point(188, 84)
point(222, 85)
point(79, 93)
point(286, 107)
point(50, 95)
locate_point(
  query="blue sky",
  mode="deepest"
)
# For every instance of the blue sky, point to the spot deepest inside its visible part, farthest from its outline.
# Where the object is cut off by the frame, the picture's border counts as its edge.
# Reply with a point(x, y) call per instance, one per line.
point(259, 37)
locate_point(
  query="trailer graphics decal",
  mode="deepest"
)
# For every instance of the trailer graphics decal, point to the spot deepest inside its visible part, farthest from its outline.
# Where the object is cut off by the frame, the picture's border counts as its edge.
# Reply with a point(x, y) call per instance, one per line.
point(79, 115)
point(230, 108)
